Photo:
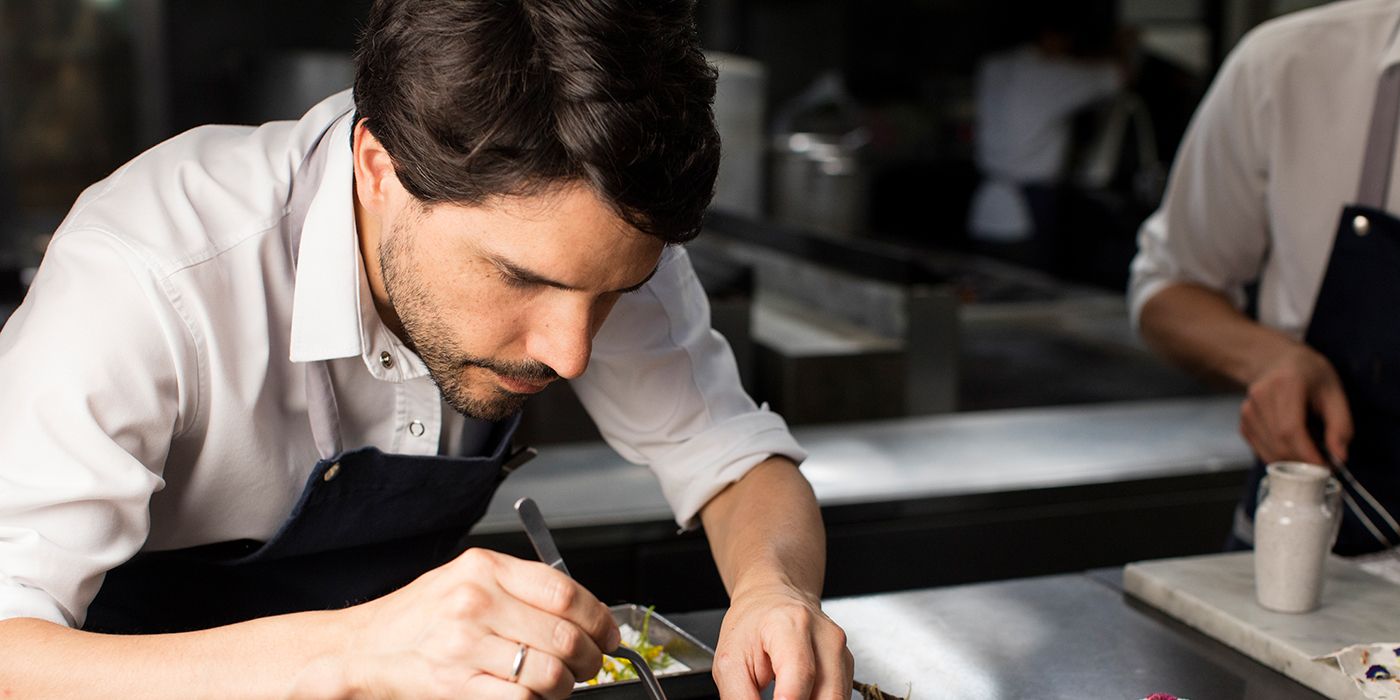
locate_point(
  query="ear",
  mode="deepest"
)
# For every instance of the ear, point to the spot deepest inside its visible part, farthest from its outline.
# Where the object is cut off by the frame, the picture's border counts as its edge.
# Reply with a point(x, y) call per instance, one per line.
point(376, 185)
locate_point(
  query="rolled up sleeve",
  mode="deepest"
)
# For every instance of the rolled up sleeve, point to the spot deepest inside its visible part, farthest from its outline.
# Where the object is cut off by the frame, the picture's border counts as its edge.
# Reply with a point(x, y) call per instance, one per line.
point(664, 390)
point(1212, 227)
point(89, 407)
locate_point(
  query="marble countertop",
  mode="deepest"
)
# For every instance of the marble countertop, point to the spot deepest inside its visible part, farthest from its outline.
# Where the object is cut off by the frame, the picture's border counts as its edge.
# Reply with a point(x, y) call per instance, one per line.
point(581, 485)
point(1215, 594)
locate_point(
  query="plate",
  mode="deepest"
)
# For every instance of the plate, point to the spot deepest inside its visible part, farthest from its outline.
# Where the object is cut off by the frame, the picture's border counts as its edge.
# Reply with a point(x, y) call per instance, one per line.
point(681, 645)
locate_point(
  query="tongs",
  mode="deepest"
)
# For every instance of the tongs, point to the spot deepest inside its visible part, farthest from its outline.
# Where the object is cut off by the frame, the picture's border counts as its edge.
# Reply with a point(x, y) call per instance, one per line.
point(548, 552)
point(1360, 513)
point(1349, 484)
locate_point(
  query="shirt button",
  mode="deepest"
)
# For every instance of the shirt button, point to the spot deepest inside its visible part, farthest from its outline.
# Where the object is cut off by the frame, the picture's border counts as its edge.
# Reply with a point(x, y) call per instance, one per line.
point(1361, 224)
point(416, 428)
point(386, 359)
point(331, 473)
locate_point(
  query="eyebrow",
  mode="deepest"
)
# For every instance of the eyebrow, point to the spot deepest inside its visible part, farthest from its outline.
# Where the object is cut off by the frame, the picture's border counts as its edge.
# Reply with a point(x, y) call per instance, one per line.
point(525, 275)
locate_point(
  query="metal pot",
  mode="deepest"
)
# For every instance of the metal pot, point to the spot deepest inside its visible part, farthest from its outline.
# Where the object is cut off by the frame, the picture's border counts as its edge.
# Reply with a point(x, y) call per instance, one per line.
point(819, 181)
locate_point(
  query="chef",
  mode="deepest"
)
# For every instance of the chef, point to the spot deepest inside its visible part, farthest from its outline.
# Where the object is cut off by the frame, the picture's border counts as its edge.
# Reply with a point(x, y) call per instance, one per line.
point(267, 378)
point(1027, 97)
point(1274, 260)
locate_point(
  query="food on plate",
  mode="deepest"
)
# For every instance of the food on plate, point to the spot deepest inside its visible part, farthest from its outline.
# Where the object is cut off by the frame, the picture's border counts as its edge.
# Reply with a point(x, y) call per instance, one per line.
point(656, 657)
point(871, 691)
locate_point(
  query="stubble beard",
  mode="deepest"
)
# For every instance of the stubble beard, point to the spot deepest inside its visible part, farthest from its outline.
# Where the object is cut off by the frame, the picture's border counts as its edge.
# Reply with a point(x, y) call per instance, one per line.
point(427, 334)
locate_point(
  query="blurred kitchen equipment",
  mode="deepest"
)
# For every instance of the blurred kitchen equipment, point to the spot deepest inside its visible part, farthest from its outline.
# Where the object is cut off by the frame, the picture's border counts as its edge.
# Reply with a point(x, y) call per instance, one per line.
point(818, 180)
point(739, 100)
point(1294, 528)
point(843, 328)
point(1097, 164)
point(290, 82)
point(68, 108)
point(819, 183)
point(538, 532)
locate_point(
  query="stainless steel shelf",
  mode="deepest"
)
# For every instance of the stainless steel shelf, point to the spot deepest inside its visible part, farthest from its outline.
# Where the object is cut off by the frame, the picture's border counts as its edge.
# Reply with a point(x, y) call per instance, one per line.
point(587, 484)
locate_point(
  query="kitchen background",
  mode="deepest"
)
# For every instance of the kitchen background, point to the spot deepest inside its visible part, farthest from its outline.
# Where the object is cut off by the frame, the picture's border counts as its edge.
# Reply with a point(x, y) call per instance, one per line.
point(838, 258)
point(87, 84)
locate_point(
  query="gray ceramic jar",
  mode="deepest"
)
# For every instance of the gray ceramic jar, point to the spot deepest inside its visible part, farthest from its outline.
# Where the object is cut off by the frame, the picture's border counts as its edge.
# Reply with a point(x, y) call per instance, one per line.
point(1294, 528)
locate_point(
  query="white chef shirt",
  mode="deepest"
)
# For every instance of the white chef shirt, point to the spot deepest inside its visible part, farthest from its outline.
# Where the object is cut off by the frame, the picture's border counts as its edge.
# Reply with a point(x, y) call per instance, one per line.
point(1024, 102)
point(153, 379)
point(1271, 157)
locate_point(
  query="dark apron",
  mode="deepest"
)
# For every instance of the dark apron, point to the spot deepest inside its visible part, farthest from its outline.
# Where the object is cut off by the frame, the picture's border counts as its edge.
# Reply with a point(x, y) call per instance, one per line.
point(366, 524)
point(1356, 326)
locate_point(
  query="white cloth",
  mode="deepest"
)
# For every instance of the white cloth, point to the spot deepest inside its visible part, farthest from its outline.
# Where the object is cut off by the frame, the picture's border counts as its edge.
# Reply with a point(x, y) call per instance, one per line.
point(1024, 102)
point(153, 381)
point(1272, 155)
point(1374, 668)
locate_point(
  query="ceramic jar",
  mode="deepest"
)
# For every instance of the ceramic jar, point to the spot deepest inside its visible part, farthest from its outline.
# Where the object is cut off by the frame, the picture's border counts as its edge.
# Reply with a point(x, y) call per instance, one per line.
point(1294, 528)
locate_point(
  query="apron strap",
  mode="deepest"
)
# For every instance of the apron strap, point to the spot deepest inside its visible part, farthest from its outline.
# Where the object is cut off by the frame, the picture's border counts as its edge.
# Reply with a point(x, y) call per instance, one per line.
point(305, 183)
point(1380, 142)
point(517, 459)
point(323, 411)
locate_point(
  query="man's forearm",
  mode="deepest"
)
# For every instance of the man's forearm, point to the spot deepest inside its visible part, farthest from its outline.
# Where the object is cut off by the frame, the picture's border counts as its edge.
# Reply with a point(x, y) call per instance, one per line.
point(1199, 329)
point(767, 537)
point(766, 528)
point(256, 659)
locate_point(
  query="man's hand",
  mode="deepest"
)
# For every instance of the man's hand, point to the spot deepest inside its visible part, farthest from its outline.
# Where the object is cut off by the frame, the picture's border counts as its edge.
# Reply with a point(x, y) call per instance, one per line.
point(455, 633)
point(452, 633)
point(767, 537)
point(778, 633)
point(1199, 329)
point(1274, 416)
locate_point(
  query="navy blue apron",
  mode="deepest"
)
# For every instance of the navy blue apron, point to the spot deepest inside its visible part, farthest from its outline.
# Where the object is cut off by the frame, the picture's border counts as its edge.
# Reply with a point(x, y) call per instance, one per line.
point(1356, 326)
point(366, 523)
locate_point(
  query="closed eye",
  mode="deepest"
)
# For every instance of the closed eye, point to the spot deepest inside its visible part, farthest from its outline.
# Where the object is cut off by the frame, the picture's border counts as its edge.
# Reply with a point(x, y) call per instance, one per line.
point(516, 282)
point(521, 278)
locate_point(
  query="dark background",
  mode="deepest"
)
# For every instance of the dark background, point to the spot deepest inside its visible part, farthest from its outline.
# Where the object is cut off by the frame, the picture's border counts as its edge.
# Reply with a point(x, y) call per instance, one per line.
point(87, 84)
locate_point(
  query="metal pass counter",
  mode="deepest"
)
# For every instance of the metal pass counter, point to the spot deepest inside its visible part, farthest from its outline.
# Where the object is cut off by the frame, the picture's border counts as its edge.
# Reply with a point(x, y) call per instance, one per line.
point(583, 485)
point(1068, 637)
point(920, 502)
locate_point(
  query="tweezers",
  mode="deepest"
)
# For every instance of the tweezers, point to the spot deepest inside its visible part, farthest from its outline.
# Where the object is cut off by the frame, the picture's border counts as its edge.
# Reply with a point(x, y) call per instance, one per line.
point(1360, 513)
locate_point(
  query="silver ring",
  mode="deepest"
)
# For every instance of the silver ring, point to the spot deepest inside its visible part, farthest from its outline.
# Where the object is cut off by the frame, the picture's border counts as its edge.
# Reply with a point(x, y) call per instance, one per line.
point(519, 663)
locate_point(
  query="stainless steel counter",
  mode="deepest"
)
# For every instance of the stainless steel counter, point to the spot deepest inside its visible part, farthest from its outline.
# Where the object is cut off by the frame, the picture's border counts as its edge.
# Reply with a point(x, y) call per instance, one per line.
point(1056, 637)
point(584, 485)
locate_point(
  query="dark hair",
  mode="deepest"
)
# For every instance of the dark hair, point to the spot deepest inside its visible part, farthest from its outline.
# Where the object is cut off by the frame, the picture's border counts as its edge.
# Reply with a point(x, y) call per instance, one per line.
point(478, 98)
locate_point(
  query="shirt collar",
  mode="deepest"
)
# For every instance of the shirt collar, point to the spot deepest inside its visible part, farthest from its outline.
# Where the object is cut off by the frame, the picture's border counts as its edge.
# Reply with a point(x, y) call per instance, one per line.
point(325, 308)
point(333, 315)
point(1391, 56)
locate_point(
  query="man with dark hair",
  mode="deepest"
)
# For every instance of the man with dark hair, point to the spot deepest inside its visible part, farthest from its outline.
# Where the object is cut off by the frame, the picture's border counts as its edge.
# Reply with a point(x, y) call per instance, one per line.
point(266, 380)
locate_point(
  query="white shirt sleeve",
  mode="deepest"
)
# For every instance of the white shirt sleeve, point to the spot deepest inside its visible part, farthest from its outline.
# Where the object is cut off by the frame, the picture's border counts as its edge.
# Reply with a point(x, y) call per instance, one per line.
point(90, 405)
point(1212, 227)
point(664, 390)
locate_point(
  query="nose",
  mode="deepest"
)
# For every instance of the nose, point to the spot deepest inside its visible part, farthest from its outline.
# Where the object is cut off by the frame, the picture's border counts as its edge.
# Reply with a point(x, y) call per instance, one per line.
point(563, 339)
